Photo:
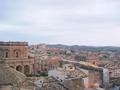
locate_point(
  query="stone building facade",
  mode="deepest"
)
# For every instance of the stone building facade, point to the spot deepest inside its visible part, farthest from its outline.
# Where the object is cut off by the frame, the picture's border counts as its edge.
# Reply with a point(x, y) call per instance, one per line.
point(15, 54)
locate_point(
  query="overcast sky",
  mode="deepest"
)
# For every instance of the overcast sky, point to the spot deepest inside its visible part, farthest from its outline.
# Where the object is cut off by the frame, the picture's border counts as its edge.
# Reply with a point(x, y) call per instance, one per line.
point(82, 22)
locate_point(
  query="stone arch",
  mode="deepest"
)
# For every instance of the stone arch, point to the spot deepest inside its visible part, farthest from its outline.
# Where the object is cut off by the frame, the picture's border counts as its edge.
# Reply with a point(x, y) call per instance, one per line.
point(26, 69)
point(19, 68)
point(17, 53)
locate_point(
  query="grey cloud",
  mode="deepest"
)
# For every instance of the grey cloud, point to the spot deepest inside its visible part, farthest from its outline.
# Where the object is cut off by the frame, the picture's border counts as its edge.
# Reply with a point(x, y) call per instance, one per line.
point(58, 20)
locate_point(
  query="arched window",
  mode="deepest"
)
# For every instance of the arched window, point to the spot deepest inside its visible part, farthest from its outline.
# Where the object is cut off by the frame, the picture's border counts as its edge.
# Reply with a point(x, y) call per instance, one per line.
point(19, 68)
point(17, 53)
point(6, 54)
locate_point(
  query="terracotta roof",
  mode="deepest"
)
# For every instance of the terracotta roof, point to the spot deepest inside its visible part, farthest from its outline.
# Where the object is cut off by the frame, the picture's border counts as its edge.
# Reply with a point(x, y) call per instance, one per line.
point(113, 65)
point(55, 60)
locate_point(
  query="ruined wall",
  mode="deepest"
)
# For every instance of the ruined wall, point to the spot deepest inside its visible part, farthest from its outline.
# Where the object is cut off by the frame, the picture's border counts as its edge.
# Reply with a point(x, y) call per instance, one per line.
point(74, 84)
point(94, 78)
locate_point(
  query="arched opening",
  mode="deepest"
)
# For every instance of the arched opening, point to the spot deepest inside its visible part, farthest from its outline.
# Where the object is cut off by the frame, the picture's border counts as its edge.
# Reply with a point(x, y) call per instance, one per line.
point(19, 68)
point(6, 54)
point(26, 69)
point(17, 53)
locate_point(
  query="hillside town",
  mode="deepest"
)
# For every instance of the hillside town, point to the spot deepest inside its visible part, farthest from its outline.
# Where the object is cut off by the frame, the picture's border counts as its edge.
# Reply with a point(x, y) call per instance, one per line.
point(42, 67)
point(59, 44)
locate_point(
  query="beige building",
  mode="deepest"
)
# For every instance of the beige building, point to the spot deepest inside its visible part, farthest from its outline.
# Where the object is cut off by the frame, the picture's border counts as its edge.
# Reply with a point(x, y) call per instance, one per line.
point(15, 54)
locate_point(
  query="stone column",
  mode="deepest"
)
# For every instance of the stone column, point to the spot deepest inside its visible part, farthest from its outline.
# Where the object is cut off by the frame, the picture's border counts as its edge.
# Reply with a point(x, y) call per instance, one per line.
point(31, 69)
point(22, 69)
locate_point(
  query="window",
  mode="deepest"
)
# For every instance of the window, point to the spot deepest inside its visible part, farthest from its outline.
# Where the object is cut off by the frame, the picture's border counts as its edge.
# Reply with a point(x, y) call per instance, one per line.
point(6, 54)
point(17, 54)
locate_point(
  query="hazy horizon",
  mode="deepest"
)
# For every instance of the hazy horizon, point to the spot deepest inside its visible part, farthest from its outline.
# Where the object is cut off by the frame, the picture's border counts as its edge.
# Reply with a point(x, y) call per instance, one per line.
point(69, 22)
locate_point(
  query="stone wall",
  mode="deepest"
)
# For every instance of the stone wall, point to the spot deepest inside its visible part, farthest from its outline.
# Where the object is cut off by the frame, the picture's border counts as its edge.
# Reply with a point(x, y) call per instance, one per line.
point(12, 52)
point(7, 87)
point(74, 84)
point(15, 54)
point(94, 78)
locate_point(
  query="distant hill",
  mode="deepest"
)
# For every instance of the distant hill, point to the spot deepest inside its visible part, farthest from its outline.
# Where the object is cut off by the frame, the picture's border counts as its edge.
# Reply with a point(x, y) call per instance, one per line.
point(87, 48)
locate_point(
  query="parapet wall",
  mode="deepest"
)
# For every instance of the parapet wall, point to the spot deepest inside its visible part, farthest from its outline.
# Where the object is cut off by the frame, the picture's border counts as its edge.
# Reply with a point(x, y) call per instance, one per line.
point(13, 43)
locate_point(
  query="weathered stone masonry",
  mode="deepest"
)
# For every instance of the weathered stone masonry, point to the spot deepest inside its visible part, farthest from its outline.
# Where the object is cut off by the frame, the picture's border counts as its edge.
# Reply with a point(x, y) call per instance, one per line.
point(15, 54)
